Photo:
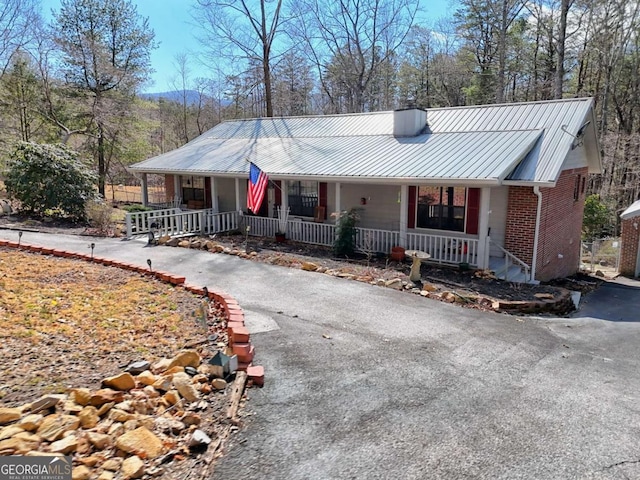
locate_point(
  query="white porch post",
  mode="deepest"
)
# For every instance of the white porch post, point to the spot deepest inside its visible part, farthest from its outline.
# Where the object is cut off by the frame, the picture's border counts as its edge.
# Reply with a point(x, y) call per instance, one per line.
point(284, 197)
point(145, 190)
point(238, 204)
point(214, 195)
point(404, 214)
point(483, 228)
point(338, 198)
point(177, 189)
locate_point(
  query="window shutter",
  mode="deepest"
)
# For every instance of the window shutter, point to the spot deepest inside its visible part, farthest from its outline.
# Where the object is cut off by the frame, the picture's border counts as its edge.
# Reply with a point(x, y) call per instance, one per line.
point(278, 192)
point(322, 197)
point(473, 210)
point(411, 220)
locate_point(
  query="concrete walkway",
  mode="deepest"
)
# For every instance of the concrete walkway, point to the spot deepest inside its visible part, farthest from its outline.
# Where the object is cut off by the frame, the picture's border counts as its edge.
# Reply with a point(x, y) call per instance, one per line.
point(364, 382)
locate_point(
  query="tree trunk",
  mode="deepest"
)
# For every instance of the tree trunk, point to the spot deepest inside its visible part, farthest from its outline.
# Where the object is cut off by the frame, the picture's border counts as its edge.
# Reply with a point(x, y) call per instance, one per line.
point(560, 49)
point(102, 171)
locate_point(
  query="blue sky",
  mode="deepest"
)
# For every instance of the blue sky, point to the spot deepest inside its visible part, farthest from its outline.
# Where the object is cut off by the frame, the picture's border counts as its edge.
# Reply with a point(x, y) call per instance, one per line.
point(175, 33)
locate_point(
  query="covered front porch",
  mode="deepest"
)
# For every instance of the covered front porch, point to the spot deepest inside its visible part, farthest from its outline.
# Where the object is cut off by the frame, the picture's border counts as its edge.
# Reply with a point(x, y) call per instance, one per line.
point(448, 249)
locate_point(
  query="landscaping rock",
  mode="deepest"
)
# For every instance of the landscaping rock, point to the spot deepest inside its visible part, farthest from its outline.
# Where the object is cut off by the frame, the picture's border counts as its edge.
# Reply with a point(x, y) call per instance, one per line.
point(106, 475)
point(309, 266)
point(136, 368)
point(100, 441)
point(112, 464)
point(17, 446)
point(54, 426)
point(219, 383)
point(10, 431)
point(89, 417)
point(122, 381)
point(163, 240)
point(163, 383)
point(46, 402)
point(428, 287)
point(80, 473)
point(199, 438)
point(132, 467)
point(31, 422)
point(174, 242)
point(191, 418)
point(106, 395)
point(82, 396)
point(186, 358)
point(66, 445)
point(172, 397)
point(105, 408)
point(183, 384)
point(140, 441)
point(394, 283)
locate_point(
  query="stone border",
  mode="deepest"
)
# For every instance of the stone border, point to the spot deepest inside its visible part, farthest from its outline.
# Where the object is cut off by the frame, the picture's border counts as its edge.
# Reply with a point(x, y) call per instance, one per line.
point(558, 304)
point(238, 335)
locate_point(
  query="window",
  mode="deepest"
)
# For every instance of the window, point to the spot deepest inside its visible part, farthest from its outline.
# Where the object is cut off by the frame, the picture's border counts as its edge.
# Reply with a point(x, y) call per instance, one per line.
point(303, 198)
point(192, 188)
point(441, 208)
point(576, 189)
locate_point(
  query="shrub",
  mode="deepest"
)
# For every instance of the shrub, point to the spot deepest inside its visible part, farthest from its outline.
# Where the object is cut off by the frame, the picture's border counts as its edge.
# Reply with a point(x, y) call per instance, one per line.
point(136, 208)
point(345, 242)
point(596, 222)
point(100, 216)
point(49, 178)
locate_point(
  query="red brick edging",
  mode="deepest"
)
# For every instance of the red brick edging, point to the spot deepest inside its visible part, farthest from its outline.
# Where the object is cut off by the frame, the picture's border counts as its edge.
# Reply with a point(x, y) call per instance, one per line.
point(239, 337)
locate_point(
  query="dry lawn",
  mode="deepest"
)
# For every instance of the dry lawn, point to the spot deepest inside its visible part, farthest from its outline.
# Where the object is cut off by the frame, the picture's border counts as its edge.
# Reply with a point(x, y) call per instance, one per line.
point(70, 323)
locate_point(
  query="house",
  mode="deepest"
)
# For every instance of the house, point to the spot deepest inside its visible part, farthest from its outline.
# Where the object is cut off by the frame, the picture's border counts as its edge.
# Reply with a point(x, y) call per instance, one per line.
point(630, 241)
point(495, 186)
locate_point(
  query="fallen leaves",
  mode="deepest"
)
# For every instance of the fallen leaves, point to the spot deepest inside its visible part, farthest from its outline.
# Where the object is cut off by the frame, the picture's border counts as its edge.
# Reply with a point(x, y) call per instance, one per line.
point(68, 322)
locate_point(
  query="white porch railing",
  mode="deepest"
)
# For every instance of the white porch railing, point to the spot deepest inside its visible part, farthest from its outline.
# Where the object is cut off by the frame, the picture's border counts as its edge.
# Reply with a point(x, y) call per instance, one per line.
point(449, 249)
point(220, 222)
point(371, 240)
point(173, 221)
point(311, 232)
point(297, 230)
point(140, 222)
point(445, 248)
point(260, 226)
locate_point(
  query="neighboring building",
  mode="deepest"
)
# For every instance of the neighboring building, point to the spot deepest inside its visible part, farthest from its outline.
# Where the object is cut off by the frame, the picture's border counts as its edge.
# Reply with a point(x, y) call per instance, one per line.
point(490, 182)
point(630, 241)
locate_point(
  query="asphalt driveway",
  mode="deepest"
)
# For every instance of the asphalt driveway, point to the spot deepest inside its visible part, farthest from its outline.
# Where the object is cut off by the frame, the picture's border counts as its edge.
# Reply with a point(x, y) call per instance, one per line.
point(406, 387)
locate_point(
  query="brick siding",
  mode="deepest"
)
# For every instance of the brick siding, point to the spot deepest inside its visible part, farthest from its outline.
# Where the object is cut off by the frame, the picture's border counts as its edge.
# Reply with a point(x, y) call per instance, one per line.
point(560, 225)
point(629, 246)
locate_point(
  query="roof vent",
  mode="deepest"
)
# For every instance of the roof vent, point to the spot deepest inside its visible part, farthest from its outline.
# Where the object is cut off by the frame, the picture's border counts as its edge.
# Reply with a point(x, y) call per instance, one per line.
point(409, 122)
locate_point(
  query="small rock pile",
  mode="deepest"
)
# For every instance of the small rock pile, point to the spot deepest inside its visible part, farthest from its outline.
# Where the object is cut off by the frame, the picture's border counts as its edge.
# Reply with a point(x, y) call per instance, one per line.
point(139, 420)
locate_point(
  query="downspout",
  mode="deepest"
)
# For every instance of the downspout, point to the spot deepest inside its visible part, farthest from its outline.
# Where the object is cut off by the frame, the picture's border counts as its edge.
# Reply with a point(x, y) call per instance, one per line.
point(536, 233)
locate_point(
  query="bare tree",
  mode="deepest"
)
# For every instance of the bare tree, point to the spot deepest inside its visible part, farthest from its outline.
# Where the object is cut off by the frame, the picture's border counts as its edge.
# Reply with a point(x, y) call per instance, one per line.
point(350, 40)
point(242, 32)
point(16, 20)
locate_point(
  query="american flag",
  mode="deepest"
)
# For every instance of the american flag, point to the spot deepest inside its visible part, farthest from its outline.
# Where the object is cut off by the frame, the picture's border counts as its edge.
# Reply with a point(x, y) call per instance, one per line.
point(258, 181)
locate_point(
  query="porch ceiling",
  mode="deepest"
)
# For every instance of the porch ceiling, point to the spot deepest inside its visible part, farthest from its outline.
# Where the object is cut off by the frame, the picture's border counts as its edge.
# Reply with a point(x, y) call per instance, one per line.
point(487, 156)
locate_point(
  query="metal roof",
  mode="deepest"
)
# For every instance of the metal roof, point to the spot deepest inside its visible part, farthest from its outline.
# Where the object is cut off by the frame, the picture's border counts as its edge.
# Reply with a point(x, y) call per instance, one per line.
point(525, 142)
point(428, 157)
point(632, 211)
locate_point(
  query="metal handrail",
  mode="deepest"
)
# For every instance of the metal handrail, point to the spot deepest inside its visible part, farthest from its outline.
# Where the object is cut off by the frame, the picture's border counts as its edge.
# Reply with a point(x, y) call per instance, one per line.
point(511, 259)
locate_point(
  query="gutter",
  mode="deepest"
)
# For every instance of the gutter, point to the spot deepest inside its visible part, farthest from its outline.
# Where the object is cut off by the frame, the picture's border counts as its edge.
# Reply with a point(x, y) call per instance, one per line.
point(536, 234)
